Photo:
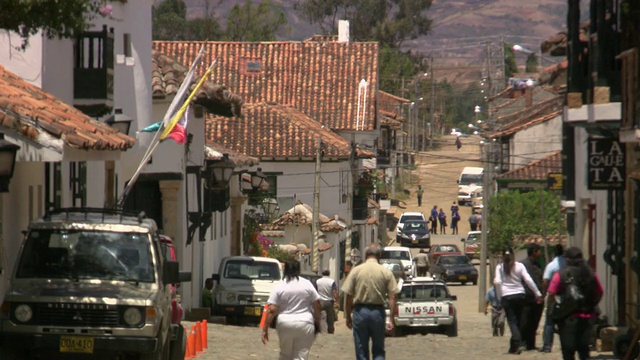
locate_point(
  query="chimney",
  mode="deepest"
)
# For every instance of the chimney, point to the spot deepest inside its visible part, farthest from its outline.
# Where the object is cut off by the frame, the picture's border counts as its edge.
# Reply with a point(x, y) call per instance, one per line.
point(528, 97)
point(343, 31)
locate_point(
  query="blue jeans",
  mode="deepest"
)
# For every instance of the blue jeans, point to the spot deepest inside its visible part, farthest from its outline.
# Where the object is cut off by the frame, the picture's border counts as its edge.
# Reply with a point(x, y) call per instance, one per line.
point(368, 323)
point(548, 333)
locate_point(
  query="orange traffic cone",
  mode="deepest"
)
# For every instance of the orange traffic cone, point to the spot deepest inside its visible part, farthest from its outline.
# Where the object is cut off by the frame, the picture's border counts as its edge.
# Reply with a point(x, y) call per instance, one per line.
point(198, 337)
point(192, 338)
point(204, 333)
point(187, 353)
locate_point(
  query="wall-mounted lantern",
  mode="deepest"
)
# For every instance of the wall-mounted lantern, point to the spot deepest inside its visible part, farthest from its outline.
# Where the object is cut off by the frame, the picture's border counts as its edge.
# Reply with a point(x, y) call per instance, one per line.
point(271, 208)
point(221, 171)
point(119, 121)
point(217, 174)
point(8, 152)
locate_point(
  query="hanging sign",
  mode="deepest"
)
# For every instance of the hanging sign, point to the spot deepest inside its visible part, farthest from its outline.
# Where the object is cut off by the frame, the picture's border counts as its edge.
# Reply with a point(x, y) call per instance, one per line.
point(606, 164)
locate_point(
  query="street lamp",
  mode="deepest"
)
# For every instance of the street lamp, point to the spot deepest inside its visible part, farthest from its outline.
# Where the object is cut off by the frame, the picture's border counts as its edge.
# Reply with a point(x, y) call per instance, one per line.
point(271, 208)
point(119, 121)
point(257, 179)
point(222, 170)
point(525, 50)
point(8, 152)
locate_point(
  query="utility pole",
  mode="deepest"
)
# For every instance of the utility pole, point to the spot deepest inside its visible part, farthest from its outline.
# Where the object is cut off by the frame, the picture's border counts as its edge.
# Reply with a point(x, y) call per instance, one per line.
point(315, 223)
point(487, 190)
point(432, 106)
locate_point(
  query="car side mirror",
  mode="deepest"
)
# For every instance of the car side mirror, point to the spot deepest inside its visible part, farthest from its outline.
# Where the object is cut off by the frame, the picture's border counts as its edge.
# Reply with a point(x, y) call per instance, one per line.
point(216, 277)
point(463, 239)
point(184, 276)
point(170, 272)
point(454, 297)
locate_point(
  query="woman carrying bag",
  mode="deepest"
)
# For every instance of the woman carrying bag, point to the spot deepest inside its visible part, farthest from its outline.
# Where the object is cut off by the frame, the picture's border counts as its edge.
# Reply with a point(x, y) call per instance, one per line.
point(579, 288)
point(508, 283)
point(296, 304)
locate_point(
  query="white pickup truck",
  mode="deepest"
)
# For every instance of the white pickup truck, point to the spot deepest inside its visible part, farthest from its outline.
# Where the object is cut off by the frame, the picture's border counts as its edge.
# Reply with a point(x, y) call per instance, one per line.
point(424, 304)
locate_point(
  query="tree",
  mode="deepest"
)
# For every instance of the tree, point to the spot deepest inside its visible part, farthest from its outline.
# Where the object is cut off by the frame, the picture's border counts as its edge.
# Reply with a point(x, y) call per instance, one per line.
point(395, 65)
point(515, 215)
point(391, 22)
point(532, 64)
point(510, 65)
point(254, 23)
point(61, 19)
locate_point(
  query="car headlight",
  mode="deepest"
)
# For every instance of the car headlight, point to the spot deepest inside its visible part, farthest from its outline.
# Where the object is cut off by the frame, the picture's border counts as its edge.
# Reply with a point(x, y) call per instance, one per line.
point(230, 297)
point(448, 272)
point(132, 316)
point(474, 271)
point(404, 236)
point(23, 313)
point(407, 268)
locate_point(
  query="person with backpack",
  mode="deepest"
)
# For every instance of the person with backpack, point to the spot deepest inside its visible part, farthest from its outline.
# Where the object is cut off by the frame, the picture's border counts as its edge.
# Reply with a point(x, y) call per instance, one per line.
point(558, 263)
point(508, 281)
point(455, 218)
point(580, 290)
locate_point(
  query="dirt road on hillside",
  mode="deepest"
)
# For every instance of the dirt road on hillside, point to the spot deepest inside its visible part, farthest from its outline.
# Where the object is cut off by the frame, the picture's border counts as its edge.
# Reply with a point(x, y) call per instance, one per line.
point(437, 171)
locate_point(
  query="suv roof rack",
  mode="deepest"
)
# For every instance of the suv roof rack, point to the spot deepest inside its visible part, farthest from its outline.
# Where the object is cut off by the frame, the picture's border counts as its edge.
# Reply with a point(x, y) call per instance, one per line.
point(86, 211)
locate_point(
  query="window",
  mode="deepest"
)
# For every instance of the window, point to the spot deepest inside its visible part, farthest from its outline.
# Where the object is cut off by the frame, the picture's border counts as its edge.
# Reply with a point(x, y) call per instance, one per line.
point(250, 66)
point(78, 183)
point(52, 185)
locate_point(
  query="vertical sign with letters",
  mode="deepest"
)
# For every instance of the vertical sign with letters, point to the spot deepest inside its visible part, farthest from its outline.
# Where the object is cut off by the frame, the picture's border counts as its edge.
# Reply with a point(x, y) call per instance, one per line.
point(606, 164)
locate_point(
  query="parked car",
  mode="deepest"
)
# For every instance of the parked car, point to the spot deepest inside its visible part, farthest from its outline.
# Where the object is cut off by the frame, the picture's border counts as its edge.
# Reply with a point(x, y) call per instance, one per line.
point(472, 244)
point(408, 216)
point(399, 253)
point(396, 268)
point(414, 233)
point(442, 249)
point(424, 304)
point(455, 268)
point(476, 199)
point(92, 283)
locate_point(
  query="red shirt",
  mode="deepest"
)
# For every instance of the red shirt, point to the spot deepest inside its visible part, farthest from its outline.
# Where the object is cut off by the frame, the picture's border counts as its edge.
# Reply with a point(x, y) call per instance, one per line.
point(555, 287)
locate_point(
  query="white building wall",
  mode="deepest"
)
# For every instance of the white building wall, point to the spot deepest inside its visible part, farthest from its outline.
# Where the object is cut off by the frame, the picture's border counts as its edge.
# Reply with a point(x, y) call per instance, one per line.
point(28, 63)
point(536, 142)
point(23, 203)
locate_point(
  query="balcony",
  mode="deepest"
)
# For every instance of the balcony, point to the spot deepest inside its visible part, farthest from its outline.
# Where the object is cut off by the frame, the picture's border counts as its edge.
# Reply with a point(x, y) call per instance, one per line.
point(93, 72)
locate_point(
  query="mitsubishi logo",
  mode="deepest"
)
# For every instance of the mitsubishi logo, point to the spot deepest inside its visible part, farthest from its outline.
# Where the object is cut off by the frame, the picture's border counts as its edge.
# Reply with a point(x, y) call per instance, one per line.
point(77, 317)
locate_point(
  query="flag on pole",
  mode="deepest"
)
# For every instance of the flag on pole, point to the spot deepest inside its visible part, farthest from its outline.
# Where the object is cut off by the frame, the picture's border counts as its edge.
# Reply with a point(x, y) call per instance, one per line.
point(179, 114)
point(179, 132)
point(153, 127)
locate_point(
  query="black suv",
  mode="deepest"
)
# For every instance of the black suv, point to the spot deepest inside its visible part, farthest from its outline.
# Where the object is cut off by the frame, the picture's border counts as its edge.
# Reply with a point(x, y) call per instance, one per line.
point(414, 233)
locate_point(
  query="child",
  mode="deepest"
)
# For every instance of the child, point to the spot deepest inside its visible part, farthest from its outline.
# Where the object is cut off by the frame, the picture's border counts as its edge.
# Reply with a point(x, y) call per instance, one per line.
point(497, 312)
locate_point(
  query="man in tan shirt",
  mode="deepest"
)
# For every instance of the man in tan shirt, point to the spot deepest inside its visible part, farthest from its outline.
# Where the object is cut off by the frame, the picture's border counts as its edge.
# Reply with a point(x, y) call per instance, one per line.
point(422, 263)
point(367, 288)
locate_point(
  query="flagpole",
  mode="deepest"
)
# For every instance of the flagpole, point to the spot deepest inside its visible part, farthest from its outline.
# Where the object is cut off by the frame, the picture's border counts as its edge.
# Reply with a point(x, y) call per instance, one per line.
point(165, 121)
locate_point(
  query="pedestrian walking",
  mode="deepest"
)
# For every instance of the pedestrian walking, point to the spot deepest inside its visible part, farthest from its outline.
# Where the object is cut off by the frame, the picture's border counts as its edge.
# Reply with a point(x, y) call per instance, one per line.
point(422, 263)
point(576, 329)
point(458, 143)
point(455, 218)
point(296, 304)
point(434, 219)
point(367, 288)
point(442, 218)
point(473, 221)
point(328, 291)
point(497, 312)
point(508, 280)
point(532, 311)
point(558, 263)
point(419, 193)
point(479, 221)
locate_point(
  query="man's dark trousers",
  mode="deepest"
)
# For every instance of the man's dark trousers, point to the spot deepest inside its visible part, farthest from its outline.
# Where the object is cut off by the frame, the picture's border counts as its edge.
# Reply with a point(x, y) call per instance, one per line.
point(531, 315)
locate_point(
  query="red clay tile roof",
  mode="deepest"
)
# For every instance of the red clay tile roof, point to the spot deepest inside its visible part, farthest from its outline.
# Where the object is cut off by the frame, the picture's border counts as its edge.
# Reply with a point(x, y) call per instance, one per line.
point(320, 79)
point(277, 132)
point(29, 110)
point(167, 75)
point(528, 116)
point(536, 170)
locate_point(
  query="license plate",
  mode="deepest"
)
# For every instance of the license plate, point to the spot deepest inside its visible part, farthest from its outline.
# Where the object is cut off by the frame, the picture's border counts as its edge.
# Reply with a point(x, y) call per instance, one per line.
point(425, 322)
point(462, 277)
point(415, 241)
point(250, 310)
point(76, 344)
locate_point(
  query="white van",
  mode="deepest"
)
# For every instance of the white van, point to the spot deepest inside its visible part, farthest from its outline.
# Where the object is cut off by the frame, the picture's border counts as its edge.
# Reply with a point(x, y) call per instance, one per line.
point(242, 287)
point(470, 179)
